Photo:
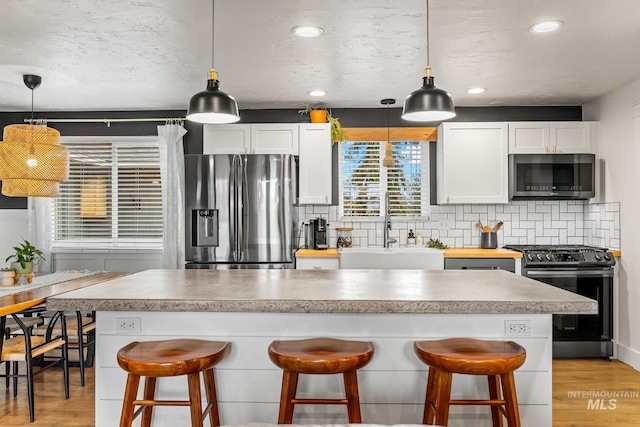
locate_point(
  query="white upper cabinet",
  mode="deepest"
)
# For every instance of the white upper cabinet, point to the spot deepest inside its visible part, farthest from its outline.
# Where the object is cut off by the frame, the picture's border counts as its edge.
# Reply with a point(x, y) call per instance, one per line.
point(550, 137)
point(472, 163)
point(270, 138)
point(274, 138)
point(315, 164)
point(226, 139)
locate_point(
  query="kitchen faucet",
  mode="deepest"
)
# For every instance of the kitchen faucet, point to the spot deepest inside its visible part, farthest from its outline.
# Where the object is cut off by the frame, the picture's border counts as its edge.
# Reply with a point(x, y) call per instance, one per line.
point(387, 223)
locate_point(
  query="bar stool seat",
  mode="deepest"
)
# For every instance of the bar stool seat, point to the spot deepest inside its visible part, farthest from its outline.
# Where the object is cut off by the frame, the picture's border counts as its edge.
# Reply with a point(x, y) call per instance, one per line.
point(495, 359)
point(320, 356)
point(169, 358)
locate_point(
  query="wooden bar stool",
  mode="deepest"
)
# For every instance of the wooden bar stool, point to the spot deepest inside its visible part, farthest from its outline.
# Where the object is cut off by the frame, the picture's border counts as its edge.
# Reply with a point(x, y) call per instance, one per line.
point(320, 356)
point(169, 358)
point(495, 359)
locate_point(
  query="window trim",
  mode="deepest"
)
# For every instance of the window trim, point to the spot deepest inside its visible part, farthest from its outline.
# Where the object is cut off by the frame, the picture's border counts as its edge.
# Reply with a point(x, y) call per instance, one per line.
point(426, 163)
point(126, 244)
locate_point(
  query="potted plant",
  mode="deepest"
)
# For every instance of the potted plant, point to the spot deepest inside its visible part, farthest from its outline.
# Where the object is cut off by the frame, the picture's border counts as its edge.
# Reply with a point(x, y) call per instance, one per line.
point(25, 257)
point(320, 114)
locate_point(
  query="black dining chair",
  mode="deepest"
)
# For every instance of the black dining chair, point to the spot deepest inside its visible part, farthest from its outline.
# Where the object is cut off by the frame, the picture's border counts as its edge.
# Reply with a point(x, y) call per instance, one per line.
point(27, 348)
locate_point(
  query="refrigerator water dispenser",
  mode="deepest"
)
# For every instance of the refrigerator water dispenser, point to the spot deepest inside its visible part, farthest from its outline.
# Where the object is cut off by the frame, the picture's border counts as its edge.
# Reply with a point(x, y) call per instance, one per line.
point(205, 232)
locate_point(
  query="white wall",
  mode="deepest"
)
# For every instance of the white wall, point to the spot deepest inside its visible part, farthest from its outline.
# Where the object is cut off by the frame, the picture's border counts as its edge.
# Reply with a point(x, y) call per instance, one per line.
point(621, 153)
point(13, 228)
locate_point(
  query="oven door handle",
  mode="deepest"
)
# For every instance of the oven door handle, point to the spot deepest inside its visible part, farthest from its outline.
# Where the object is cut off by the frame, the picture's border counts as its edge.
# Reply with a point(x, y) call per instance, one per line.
point(605, 272)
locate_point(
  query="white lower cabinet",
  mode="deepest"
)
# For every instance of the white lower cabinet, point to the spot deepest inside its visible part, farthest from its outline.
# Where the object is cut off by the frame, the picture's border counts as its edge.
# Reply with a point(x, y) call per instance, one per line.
point(472, 163)
point(317, 263)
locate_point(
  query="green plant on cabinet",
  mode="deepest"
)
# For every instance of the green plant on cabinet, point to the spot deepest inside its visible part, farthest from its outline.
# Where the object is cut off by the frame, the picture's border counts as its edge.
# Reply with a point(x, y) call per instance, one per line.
point(337, 133)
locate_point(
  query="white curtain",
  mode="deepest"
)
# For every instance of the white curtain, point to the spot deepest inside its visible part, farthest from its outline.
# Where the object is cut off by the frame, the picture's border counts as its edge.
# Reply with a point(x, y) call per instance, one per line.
point(172, 174)
point(39, 229)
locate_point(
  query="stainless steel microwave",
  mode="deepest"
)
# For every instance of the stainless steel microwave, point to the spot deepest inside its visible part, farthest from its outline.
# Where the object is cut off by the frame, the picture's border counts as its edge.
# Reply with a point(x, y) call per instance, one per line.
point(552, 176)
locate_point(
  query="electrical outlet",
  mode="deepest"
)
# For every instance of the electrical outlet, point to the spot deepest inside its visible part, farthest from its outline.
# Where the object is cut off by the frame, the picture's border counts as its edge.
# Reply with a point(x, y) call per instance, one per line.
point(128, 324)
point(517, 328)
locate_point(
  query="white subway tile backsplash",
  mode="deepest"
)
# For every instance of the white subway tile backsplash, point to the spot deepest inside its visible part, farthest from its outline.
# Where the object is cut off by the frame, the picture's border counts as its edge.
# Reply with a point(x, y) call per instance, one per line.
point(525, 222)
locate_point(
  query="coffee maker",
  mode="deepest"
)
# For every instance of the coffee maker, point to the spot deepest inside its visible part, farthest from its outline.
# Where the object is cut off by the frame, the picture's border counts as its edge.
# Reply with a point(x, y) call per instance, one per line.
point(316, 234)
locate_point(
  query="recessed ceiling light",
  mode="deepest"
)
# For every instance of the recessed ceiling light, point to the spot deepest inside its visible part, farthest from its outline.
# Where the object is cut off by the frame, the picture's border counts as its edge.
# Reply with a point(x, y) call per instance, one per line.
point(317, 93)
point(307, 31)
point(476, 90)
point(545, 26)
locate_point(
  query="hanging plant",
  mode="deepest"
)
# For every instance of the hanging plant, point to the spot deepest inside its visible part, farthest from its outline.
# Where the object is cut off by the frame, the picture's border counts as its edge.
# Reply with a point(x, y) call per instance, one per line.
point(337, 133)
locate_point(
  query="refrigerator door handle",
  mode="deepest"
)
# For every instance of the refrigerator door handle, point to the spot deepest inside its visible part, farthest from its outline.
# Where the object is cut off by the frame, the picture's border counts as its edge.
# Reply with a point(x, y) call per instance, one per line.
point(239, 172)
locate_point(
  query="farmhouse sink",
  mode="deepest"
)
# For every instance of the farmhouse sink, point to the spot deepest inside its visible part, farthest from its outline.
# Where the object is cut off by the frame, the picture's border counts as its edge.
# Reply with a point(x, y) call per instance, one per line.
point(392, 258)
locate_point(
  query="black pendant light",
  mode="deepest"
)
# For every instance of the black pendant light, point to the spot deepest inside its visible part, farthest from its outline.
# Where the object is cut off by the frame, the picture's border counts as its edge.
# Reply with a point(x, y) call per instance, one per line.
point(428, 104)
point(212, 106)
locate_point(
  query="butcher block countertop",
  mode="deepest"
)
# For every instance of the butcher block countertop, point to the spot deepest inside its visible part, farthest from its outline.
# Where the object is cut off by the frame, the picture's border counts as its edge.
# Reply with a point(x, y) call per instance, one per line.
point(448, 253)
point(325, 291)
point(481, 253)
point(311, 253)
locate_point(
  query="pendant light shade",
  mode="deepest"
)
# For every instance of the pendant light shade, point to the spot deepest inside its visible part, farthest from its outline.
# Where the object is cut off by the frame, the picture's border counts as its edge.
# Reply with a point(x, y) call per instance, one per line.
point(428, 104)
point(213, 106)
point(388, 160)
point(32, 161)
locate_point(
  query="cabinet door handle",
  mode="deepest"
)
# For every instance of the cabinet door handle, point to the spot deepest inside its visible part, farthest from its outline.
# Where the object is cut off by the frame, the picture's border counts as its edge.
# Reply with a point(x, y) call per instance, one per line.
point(546, 149)
point(554, 149)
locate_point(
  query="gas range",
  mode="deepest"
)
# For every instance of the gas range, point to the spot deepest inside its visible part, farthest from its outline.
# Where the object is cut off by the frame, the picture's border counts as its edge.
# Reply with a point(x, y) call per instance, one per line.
point(564, 256)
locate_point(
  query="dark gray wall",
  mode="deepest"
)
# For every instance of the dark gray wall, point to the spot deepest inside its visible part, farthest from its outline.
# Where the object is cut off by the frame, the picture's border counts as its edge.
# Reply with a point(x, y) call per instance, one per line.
point(349, 117)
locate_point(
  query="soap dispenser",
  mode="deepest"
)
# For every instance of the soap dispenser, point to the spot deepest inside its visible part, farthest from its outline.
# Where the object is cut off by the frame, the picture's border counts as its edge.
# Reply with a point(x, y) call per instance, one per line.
point(411, 238)
point(419, 240)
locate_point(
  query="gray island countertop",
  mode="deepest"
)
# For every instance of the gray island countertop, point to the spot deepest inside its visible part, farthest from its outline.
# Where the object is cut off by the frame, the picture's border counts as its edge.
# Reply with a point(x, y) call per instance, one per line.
point(325, 291)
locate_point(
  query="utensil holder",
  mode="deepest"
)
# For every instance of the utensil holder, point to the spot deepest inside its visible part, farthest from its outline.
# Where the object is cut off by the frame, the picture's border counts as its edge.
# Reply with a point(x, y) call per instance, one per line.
point(489, 240)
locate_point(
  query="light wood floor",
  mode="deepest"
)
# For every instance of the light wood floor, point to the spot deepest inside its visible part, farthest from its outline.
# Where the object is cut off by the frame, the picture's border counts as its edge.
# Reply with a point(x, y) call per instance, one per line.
point(570, 377)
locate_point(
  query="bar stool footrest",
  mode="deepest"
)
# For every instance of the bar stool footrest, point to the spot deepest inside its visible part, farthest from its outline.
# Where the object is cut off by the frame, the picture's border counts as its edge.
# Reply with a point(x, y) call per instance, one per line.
point(320, 401)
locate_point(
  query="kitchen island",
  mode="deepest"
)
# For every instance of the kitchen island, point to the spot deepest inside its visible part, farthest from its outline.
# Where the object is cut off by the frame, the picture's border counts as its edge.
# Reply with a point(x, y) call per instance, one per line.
point(392, 308)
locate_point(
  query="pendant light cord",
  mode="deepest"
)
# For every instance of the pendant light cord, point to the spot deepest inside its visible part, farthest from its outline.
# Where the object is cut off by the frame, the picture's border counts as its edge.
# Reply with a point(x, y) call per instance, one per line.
point(213, 32)
point(428, 47)
point(388, 128)
point(32, 106)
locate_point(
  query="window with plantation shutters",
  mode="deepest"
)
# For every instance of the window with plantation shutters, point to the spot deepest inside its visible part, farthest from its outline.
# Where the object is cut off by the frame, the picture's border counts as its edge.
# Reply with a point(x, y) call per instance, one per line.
point(364, 181)
point(113, 197)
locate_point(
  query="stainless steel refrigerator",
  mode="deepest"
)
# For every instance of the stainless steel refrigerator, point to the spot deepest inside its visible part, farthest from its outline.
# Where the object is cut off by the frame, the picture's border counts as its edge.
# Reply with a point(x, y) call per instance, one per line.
point(240, 210)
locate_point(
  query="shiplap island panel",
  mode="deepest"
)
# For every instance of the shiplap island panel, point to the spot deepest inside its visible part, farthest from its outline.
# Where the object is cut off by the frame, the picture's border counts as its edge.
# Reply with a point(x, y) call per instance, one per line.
point(392, 308)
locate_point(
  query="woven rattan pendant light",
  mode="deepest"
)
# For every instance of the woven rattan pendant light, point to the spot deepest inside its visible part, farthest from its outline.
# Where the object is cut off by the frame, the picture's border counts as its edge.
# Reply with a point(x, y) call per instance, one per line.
point(32, 161)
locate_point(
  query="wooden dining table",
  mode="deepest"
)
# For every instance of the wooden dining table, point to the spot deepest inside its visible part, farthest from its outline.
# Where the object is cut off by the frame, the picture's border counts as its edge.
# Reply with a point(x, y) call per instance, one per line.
point(20, 301)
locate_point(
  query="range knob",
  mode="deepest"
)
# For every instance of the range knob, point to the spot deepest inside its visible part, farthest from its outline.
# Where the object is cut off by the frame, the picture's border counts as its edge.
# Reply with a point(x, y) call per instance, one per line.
point(539, 257)
point(607, 257)
point(598, 257)
point(548, 257)
point(530, 257)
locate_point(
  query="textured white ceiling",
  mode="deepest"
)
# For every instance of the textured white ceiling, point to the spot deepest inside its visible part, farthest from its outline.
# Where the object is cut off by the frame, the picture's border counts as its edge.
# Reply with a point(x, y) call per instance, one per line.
point(155, 54)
